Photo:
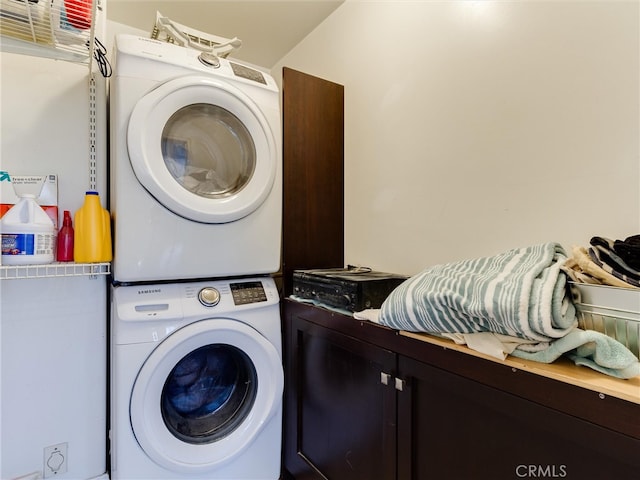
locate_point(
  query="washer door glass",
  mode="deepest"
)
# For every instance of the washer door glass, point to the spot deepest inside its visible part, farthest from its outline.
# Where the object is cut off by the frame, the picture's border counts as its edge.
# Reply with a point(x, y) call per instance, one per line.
point(208, 150)
point(203, 148)
point(208, 393)
point(204, 394)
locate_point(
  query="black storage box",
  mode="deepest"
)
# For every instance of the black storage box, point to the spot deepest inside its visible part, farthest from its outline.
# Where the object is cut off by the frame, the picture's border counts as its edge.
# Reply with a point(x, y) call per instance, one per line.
point(352, 289)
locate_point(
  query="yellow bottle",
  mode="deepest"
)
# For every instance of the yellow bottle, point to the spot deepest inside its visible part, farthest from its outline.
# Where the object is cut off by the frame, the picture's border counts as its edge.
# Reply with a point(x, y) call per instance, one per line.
point(92, 242)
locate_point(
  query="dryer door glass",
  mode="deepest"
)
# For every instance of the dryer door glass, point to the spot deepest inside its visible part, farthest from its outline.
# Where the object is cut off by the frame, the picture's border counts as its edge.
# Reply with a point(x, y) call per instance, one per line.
point(208, 150)
point(204, 149)
point(208, 393)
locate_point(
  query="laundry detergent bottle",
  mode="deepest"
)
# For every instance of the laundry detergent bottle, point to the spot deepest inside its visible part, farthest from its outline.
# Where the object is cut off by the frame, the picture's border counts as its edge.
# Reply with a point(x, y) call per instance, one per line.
point(92, 239)
point(28, 234)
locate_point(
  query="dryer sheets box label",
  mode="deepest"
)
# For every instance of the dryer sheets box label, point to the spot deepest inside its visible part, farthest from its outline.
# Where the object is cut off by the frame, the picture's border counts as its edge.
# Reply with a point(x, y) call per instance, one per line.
point(43, 187)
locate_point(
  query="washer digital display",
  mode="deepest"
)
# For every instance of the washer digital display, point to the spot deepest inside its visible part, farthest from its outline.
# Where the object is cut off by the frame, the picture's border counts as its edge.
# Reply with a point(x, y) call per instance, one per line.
point(248, 292)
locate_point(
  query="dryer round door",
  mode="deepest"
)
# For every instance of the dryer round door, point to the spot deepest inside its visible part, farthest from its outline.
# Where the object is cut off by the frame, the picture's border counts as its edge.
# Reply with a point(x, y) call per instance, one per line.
point(203, 149)
point(204, 394)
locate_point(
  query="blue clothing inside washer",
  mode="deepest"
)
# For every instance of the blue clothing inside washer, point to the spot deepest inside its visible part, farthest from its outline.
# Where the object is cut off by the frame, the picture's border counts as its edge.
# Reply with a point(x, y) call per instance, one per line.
point(202, 381)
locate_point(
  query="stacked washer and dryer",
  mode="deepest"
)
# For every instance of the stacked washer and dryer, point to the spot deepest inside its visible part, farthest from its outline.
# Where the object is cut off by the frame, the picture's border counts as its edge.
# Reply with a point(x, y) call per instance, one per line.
point(195, 194)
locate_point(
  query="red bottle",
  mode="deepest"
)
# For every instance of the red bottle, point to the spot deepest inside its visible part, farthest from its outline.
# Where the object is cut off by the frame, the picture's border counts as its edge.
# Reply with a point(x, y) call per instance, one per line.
point(78, 13)
point(65, 240)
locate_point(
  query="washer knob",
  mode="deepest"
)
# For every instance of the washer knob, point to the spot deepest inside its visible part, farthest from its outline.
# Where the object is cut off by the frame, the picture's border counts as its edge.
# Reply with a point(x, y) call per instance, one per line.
point(209, 296)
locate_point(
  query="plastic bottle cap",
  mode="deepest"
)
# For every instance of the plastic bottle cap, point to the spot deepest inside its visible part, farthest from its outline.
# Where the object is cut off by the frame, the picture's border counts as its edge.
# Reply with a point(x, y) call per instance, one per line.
point(92, 192)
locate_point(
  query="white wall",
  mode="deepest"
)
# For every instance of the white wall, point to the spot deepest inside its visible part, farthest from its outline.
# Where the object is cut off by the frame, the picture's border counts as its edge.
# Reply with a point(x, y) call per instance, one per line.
point(44, 125)
point(473, 127)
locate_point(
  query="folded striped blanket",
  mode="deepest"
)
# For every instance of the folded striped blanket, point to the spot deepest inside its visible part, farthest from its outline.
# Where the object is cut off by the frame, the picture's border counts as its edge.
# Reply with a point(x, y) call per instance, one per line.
point(521, 293)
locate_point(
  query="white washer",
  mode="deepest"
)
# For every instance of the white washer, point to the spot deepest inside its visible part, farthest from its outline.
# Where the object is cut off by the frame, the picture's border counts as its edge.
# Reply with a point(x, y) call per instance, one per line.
point(196, 380)
point(196, 174)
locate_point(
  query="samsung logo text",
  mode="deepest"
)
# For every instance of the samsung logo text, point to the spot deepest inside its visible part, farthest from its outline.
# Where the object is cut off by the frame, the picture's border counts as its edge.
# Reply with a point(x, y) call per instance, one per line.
point(151, 290)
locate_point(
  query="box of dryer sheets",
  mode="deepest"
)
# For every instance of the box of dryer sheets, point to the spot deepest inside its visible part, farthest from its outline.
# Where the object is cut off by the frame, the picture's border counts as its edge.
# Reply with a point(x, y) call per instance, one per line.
point(43, 187)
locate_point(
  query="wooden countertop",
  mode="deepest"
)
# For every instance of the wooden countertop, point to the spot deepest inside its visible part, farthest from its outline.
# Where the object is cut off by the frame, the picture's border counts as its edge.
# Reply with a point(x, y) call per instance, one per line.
point(578, 391)
point(562, 370)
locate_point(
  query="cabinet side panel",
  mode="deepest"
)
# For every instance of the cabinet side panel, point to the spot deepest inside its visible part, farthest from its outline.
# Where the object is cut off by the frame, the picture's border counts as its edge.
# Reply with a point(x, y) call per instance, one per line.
point(313, 171)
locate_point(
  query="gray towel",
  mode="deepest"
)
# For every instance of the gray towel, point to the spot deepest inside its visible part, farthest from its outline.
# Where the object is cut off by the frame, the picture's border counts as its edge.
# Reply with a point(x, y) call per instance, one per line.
point(520, 293)
point(590, 349)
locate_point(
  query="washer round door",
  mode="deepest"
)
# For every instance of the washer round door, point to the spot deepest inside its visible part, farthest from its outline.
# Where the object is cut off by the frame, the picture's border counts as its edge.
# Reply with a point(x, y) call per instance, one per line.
point(203, 149)
point(204, 394)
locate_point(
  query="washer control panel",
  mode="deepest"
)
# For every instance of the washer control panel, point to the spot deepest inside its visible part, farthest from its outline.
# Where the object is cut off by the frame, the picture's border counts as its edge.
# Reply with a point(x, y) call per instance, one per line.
point(248, 292)
point(171, 301)
point(150, 313)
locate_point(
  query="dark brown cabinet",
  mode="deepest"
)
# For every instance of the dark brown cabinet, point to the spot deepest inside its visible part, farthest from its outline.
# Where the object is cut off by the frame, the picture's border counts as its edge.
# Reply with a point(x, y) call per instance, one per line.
point(313, 171)
point(452, 427)
point(363, 402)
point(343, 412)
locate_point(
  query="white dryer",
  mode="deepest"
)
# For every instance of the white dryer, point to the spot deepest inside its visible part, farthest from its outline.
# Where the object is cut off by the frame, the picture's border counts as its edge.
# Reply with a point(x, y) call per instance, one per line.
point(196, 380)
point(196, 174)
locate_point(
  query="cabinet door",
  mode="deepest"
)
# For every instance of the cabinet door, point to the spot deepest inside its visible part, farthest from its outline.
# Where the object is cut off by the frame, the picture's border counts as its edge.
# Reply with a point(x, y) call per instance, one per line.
point(313, 169)
point(339, 416)
point(453, 427)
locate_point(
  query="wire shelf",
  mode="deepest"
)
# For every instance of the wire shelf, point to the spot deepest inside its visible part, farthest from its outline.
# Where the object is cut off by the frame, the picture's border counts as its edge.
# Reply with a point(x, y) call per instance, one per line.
point(58, 269)
point(62, 29)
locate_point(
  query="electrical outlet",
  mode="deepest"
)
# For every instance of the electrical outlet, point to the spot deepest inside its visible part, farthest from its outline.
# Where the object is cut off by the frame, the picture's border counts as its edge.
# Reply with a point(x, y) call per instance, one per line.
point(55, 460)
